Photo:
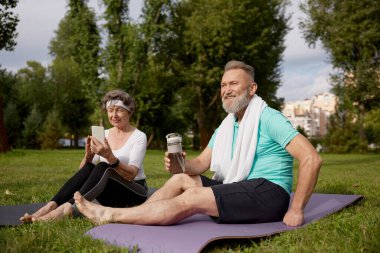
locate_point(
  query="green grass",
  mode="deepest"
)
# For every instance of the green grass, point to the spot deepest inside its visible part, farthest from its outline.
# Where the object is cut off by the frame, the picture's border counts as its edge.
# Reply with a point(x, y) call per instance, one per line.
point(29, 176)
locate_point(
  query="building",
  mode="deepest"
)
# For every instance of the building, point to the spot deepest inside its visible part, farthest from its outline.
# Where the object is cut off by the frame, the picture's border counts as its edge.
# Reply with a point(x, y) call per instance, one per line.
point(311, 114)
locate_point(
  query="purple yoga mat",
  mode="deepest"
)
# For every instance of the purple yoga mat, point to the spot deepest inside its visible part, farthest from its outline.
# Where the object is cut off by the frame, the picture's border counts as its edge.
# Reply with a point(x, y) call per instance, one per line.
point(194, 233)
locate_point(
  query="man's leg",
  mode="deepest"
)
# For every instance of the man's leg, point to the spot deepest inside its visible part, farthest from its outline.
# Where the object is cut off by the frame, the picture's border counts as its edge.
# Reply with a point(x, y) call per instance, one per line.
point(175, 186)
point(161, 212)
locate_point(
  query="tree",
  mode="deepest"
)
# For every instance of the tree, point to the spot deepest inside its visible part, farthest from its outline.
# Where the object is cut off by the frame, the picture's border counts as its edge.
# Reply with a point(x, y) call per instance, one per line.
point(51, 131)
point(372, 126)
point(32, 125)
point(7, 83)
point(349, 31)
point(302, 130)
point(205, 34)
point(8, 24)
point(75, 68)
point(34, 94)
point(33, 85)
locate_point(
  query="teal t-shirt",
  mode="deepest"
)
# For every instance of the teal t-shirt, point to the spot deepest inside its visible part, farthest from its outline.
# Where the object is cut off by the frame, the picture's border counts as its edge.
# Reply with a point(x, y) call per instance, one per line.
point(272, 161)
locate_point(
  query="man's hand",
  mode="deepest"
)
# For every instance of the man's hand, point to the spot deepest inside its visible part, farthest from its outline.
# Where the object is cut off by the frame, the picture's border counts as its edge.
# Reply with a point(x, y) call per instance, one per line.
point(167, 160)
point(294, 217)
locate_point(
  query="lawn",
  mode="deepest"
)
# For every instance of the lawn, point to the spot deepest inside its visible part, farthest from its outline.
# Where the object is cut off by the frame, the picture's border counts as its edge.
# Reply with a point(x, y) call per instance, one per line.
point(30, 176)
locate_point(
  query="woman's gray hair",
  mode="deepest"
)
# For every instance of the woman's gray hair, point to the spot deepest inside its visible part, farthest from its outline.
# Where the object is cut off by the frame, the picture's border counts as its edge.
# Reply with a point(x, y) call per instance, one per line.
point(127, 99)
point(240, 65)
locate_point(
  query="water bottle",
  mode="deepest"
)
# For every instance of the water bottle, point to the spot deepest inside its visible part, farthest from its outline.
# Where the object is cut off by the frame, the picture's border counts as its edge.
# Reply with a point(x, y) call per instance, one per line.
point(177, 163)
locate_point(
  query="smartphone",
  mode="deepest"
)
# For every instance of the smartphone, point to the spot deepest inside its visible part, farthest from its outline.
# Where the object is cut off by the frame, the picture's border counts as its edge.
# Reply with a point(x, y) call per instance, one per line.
point(98, 133)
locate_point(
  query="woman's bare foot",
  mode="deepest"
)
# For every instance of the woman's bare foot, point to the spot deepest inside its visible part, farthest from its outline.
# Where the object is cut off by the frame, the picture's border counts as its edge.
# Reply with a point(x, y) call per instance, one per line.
point(97, 214)
point(60, 212)
point(50, 206)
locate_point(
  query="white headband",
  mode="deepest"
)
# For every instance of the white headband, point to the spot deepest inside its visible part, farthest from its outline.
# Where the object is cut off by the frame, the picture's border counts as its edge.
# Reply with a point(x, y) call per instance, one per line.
point(118, 103)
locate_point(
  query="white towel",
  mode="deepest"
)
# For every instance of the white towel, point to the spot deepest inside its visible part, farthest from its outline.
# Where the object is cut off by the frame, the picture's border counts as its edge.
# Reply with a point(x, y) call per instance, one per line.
point(245, 146)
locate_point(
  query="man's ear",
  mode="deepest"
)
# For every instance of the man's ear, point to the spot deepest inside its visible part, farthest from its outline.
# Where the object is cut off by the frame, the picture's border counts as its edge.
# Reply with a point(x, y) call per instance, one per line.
point(252, 88)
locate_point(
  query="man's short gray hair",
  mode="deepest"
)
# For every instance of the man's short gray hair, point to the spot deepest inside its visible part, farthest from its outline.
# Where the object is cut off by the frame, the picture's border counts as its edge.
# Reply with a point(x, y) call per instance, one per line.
point(127, 99)
point(240, 65)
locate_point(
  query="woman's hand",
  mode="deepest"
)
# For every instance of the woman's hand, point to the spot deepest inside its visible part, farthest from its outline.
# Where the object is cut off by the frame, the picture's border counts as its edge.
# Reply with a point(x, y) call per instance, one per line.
point(102, 149)
point(88, 154)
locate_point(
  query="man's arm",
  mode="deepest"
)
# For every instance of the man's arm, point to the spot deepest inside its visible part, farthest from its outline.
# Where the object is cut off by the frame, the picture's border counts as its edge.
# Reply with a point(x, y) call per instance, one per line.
point(195, 166)
point(309, 165)
point(199, 164)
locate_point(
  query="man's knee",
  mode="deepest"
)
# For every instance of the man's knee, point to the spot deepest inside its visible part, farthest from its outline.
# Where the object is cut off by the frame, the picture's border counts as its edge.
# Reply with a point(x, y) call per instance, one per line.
point(201, 199)
point(185, 181)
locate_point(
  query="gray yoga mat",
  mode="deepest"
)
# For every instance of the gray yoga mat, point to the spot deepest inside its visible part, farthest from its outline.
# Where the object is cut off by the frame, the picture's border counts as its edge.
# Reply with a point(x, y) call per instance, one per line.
point(10, 215)
point(194, 233)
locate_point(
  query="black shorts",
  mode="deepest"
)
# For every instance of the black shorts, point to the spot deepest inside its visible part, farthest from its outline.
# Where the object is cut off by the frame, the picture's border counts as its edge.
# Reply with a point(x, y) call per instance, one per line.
point(251, 201)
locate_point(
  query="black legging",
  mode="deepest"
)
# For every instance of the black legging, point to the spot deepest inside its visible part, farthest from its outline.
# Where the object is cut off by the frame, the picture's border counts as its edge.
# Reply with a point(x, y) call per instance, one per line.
point(85, 179)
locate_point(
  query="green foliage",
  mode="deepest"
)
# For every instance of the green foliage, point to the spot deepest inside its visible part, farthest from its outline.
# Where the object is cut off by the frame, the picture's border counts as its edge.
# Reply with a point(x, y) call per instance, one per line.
point(302, 131)
point(74, 72)
point(120, 39)
point(343, 136)
point(350, 32)
point(8, 24)
point(171, 62)
point(33, 176)
point(34, 88)
point(51, 131)
point(372, 126)
point(348, 29)
point(7, 119)
point(194, 39)
point(85, 51)
point(32, 126)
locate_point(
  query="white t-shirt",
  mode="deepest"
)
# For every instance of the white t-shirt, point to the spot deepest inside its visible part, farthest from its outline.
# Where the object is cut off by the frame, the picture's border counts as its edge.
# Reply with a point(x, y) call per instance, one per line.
point(132, 152)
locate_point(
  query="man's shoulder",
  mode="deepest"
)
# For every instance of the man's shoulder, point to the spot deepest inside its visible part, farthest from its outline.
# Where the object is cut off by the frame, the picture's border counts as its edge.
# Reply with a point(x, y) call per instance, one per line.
point(268, 113)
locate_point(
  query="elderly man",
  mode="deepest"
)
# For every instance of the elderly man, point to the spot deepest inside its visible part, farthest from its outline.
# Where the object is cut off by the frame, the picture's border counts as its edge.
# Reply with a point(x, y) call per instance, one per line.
point(251, 154)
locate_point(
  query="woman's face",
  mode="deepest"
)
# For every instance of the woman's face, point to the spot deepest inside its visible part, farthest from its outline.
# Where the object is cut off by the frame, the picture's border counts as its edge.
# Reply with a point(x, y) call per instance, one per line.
point(118, 116)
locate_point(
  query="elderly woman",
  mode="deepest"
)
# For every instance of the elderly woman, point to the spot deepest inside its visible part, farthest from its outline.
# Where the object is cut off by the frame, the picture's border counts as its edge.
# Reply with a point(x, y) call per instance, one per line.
point(120, 158)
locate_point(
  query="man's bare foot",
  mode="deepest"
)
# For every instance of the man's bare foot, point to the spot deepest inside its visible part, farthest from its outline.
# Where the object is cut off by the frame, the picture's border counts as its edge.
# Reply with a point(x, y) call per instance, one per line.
point(97, 214)
point(60, 212)
point(50, 206)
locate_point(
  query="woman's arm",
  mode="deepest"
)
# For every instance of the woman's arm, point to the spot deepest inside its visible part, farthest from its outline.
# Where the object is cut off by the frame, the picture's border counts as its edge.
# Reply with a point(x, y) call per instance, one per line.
point(136, 157)
point(88, 155)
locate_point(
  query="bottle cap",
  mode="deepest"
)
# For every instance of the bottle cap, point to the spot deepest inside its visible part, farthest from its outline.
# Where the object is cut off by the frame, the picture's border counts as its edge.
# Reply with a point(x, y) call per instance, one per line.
point(173, 138)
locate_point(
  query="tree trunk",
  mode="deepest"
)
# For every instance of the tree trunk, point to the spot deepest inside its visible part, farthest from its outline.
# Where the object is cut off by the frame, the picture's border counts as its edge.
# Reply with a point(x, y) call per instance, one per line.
point(4, 144)
point(361, 115)
point(150, 139)
point(121, 63)
point(204, 127)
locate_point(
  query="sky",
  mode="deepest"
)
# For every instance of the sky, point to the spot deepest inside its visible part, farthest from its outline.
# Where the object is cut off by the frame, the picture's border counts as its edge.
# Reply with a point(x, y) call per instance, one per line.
point(305, 71)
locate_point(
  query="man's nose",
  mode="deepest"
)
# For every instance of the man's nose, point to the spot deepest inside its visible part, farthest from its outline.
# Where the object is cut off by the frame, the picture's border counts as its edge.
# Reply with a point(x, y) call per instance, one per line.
point(229, 88)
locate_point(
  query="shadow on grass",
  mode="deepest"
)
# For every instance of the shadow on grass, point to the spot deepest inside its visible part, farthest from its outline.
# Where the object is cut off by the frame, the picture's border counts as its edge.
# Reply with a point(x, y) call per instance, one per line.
point(224, 245)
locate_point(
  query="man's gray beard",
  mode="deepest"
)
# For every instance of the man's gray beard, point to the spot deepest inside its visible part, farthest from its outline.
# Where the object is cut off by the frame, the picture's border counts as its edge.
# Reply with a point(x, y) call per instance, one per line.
point(241, 102)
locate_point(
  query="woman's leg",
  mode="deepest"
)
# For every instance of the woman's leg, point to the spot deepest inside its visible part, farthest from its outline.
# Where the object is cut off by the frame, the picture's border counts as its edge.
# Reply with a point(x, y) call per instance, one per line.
point(124, 197)
point(64, 194)
point(87, 183)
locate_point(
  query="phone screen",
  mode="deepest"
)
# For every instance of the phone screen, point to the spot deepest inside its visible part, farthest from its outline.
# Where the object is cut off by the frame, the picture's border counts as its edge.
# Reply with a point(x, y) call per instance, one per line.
point(98, 133)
